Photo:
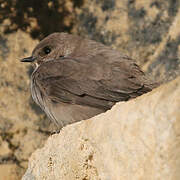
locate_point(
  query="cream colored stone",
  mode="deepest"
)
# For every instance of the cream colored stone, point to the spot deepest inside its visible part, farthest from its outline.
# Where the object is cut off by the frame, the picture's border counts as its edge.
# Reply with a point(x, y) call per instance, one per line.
point(8, 172)
point(4, 149)
point(138, 139)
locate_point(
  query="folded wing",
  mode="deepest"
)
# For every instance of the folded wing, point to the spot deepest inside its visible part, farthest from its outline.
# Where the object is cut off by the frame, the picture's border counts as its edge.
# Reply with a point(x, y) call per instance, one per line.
point(91, 82)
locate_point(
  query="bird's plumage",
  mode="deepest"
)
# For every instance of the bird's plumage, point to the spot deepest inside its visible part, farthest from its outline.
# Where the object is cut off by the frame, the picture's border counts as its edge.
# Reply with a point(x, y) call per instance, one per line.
point(83, 76)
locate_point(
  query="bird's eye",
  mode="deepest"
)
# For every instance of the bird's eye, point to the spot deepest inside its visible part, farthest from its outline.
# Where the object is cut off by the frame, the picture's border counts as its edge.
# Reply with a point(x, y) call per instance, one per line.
point(47, 50)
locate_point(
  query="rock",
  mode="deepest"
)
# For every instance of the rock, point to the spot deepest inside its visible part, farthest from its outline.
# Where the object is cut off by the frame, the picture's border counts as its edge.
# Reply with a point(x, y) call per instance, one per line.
point(138, 139)
point(9, 172)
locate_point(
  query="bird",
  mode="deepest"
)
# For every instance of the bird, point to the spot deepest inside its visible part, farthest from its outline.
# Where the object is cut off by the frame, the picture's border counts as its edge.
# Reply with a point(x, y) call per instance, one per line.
point(75, 78)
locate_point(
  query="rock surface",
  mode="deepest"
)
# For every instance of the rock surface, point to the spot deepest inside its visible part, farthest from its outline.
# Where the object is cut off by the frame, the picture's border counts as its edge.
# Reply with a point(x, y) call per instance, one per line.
point(138, 139)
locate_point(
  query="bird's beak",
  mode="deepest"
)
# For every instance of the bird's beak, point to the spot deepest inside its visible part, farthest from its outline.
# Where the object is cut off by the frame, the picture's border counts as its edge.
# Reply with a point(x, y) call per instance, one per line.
point(28, 59)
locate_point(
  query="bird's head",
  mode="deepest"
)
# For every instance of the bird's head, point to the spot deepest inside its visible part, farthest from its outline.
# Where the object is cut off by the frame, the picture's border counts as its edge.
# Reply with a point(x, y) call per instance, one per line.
point(54, 46)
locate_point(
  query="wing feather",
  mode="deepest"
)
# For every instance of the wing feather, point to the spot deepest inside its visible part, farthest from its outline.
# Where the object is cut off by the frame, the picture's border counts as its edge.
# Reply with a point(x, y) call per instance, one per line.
point(91, 83)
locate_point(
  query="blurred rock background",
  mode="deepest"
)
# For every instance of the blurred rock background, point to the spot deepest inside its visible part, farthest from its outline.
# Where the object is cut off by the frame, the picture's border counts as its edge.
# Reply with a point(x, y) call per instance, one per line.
point(147, 31)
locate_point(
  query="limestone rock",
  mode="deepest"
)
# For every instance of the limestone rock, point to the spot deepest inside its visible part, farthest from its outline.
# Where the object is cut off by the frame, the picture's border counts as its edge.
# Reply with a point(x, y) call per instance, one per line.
point(138, 139)
point(9, 172)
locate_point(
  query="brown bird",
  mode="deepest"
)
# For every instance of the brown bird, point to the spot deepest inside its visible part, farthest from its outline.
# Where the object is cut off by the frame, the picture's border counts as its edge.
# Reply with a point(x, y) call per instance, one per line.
point(75, 78)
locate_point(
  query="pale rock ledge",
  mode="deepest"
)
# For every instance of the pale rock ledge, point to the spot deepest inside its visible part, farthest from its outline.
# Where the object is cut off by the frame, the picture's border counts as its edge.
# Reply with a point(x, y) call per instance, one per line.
point(138, 139)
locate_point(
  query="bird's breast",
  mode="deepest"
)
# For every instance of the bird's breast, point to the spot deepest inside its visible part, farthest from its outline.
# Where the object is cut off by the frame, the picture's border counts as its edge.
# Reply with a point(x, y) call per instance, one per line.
point(61, 113)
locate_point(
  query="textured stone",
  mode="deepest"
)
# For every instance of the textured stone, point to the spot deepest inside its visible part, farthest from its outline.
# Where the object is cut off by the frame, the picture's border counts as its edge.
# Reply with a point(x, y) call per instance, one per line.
point(9, 172)
point(138, 139)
